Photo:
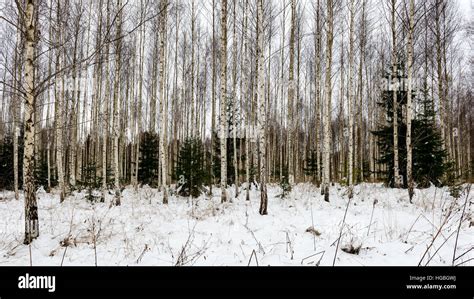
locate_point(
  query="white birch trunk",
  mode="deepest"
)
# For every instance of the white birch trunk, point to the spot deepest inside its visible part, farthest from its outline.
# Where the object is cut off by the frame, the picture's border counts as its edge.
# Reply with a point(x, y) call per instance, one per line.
point(163, 111)
point(327, 104)
point(58, 114)
point(262, 114)
point(31, 206)
point(116, 119)
point(409, 99)
point(396, 167)
point(223, 114)
point(291, 97)
point(350, 101)
point(105, 116)
point(234, 103)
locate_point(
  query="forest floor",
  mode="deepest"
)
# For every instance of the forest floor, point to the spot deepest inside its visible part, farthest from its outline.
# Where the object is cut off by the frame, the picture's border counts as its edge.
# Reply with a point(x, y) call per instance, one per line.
point(301, 229)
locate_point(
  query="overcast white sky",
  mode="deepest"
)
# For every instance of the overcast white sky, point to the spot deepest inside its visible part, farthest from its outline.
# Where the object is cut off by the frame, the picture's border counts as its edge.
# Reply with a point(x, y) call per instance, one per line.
point(467, 6)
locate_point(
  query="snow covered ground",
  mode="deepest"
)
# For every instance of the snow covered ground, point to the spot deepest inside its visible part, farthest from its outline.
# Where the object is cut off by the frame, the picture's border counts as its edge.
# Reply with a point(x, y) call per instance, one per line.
point(301, 229)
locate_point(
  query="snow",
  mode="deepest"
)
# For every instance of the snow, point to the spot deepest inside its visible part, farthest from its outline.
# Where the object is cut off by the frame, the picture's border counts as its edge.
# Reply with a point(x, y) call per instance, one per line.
point(202, 231)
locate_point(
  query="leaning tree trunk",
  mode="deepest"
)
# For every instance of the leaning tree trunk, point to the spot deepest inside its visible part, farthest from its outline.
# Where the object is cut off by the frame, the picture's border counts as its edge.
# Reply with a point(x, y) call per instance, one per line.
point(31, 206)
point(223, 120)
point(262, 114)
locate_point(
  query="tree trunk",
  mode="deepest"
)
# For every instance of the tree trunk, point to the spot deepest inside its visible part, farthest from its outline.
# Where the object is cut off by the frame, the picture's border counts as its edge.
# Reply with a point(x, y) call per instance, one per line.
point(245, 94)
point(350, 109)
point(262, 114)
point(16, 106)
point(234, 103)
point(396, 168)
point(317, 76)
point(163, 111)
point(193, 40)
point(58, 115)
point(223, 105)
point(105, 117)
point(31, 206)
point(291, 97)
point(116, 119)
point(327, 104)
point(409, 100)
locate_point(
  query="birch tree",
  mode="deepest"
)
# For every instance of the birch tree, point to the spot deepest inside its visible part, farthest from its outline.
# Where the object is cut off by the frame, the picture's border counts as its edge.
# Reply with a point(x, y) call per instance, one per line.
point(262, 118)
point(15, 106)
point(163, 111)
point(350, 100)
point(58, 112)
point(213, 95)
point(234, 100)
point(116, 120)
point(223, 102)
point(291, 96)
point(105, 112)
point(317, 95)
point(396, 168)
point(409, 99)
point(327, 103)
point(31, 205)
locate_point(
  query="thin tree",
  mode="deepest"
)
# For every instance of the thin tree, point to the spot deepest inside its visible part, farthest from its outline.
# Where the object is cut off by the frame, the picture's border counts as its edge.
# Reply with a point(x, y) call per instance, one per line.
point(327, 103)
point(116, 119)
point(105, 113)
point(409, 99)
point(163, 111)
point(223, 102)
point(213, 96)
point(58, 112)
point(291, 96)
point(262, 118)
point(350, 100)
point(234, 100)
point(396, 167)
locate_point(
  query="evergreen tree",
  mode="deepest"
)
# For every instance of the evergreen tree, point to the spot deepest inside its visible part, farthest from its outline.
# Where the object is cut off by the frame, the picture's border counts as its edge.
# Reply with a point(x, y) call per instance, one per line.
point(41, 172)
point(311, 167)
point(91, 181)
point(191, 171)
point(6, 161)
point(428, 155)
point(149, 159)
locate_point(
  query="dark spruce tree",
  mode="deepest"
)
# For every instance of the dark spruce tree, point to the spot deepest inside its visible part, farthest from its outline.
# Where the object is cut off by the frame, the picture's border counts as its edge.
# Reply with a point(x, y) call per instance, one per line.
point(428, 156)
point(191, 172)
point(6, 161)
point(91, 181)
point(149, 159)
point(311, 166)
point(41, 171)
